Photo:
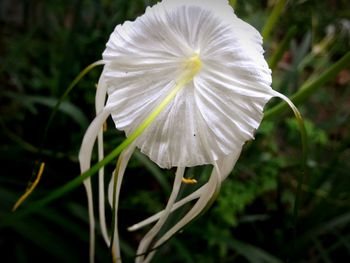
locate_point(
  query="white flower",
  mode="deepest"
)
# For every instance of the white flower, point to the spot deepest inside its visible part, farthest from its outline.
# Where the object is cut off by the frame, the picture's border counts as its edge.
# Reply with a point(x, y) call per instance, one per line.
point(223, 102)
point(214, 61)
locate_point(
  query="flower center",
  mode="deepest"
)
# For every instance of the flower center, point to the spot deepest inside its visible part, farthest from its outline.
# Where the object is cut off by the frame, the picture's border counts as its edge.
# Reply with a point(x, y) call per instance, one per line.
point(192, 66)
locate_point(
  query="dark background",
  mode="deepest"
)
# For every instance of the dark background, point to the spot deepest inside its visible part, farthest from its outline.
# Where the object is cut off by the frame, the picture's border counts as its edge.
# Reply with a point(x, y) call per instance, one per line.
point(45, 44)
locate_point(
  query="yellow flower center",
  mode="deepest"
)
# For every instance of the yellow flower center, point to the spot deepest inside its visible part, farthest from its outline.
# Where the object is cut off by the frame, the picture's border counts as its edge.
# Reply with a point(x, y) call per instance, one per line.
point(192, 66)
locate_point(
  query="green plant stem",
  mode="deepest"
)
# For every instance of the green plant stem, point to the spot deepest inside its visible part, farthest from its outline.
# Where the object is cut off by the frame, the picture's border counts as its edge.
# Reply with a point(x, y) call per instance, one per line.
point(310, 87)
point(273, 18)
point(304, 142)
point(64, 96)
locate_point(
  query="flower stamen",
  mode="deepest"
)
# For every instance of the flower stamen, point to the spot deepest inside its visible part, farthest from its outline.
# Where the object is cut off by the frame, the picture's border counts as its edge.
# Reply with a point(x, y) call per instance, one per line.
point(30, 188)
point(191, 68)
point(189, 181)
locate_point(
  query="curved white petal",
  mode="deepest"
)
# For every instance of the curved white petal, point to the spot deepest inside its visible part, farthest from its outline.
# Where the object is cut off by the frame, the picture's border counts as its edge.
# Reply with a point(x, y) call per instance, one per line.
point(148, 238)
point(123, 162)
point(213, 187)
point(226, 165)
point(223, 102)
point(100, 99)
point(84, 160)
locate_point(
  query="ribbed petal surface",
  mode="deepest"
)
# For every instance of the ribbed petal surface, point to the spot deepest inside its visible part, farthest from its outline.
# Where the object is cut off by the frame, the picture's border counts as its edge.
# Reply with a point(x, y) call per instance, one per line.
point(218, 111)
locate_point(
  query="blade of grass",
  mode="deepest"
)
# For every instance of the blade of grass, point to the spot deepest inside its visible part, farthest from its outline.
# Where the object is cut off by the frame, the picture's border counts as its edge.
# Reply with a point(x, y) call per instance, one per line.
point(64, 96)
point(42, 237)
point(273, 19)
point(322, 252)
point(339, 221)
point(252, 253)
point(310, 87)
point(344, 240)
point(66, 107)
point(73, 228)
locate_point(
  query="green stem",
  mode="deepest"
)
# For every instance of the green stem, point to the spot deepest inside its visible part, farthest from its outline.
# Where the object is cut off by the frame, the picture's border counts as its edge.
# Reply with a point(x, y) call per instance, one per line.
point(273, 18)
point(304, 142)
point(64, 96)
point(310, 87)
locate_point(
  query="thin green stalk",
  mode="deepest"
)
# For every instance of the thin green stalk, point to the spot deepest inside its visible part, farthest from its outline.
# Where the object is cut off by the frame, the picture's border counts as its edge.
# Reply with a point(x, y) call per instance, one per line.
point(273, 19)
point(310, 87)
point(304, 143)
point(64, 96)
point(277, 56)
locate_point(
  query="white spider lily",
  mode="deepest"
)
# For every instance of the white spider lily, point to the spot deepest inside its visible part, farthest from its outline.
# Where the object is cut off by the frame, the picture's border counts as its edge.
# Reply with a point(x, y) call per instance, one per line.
point(199, 71)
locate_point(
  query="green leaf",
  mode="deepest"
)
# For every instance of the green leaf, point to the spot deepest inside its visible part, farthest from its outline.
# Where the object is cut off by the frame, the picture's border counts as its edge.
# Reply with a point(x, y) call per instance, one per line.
point(252, 253)
point(66, 107)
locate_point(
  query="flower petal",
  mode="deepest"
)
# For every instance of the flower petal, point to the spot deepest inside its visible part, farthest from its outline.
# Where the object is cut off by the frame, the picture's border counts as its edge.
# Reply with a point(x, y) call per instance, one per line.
point(100, 99)
point(224, 101)
point(226, 166)
point(148, 238)
point(124, 160)
point(213, 187)
point(84, 160)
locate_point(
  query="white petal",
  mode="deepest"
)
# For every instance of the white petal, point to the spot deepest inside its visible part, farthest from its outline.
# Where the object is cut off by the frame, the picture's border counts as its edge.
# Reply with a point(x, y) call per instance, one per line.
point(223, 102)
point(148, 238)
point(226, 165)
point(220, 8)
point(214, 184)
point(124, 157)
point(124, 160)
point(90, 138)
point(99, 105)
point(84, 160)
point(88, 188)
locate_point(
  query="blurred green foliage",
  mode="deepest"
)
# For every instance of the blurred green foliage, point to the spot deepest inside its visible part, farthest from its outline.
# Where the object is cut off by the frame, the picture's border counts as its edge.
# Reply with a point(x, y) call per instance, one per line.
point(45, 44)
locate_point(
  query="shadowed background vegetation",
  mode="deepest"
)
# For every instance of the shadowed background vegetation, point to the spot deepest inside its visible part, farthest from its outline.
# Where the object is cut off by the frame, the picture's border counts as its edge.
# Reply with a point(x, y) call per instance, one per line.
point(45, 44)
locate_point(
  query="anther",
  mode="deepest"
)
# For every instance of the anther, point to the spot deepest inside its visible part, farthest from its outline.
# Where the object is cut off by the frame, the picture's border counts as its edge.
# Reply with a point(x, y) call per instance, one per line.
point(189, 181)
